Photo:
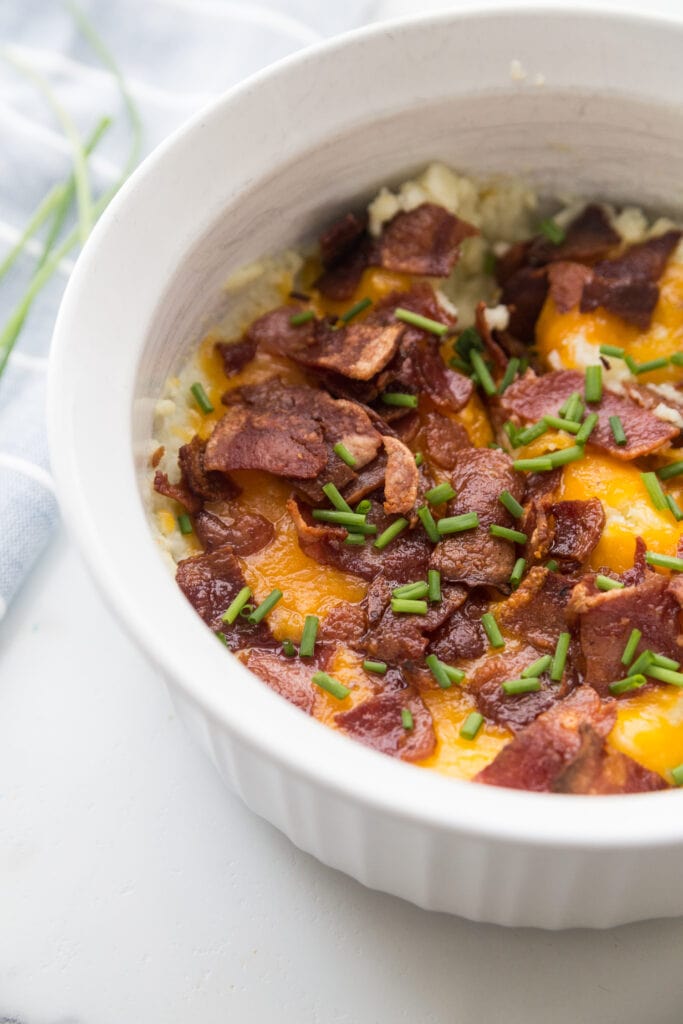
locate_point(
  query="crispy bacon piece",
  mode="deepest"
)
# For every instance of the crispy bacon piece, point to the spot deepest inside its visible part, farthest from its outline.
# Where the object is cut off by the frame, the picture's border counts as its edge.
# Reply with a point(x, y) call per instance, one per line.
point(398, 637)
point(567, 531)
point(401, 479)
point(249, 533)
point(345, 622)
point(475, 557)
point(567, 281)
point(589, 237)
point(531, 397)
point(340, 236)
point(236, 354)
point(598, 770)
point(535, 612)
point(539, 754)
point(514, 711)
point(179, 492)
point(441, 440)
point(462, 636)
point(345, 250)
point(289, 677)
point(377, 723)
point(604, 620)
point(524, 292)
point(197, 484)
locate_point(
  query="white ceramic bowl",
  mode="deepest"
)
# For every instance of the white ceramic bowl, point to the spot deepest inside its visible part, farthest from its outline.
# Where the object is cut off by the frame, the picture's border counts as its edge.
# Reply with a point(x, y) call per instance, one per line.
point(264, 166)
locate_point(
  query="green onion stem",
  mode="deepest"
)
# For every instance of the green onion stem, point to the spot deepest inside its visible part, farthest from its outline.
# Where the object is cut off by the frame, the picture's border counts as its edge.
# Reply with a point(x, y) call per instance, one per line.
point(331, 685)
point(260, 612)
point(492, 630)
point(308, 636)
point(560, 657)
point(630, 649)
point(437, 495)
point(471, 725)
point(390, 533)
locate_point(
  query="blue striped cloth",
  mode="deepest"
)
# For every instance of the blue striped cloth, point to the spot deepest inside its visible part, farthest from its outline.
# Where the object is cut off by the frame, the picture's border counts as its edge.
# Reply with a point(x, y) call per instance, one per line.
point(175, 56)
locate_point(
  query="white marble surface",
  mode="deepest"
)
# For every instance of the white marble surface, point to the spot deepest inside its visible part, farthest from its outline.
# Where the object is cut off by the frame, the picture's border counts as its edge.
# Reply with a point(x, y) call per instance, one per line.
point(134, 888)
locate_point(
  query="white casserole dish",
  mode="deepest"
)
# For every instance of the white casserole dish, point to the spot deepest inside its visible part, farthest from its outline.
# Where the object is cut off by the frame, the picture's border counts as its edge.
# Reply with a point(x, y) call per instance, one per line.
point(262, 168)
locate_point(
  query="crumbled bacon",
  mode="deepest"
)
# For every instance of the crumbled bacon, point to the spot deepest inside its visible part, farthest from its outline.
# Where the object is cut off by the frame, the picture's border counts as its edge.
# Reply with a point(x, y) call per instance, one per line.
point(247, 533)
point(377, 722)
point(535, 613)
point(289, 677)
point(236, 354)
point(566, 531)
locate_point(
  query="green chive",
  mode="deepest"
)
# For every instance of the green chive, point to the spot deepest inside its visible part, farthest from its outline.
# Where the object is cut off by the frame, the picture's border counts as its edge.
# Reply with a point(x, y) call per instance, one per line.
point(530, 434)
point(331, 685)
point(324, 515)
point(653, 364)
point(201, 397)
point(456, 675)
point(560, 657)
point(456, 363)
point(575, 408)
point(632, 682)
point(184, 523)
point(301, 318)
point(509, 375)
point(538, 465)
point(407, 606)
point(515, 686)
point(427, 520)
point(502, 531)
point(552, 565)
point(355, 540)
point(419, 459)
point(262, 610)
point(630, 649)
point(566, 455)
point(247, 610)
point(456, 524)
point(222, 637)
point(471, 726)
point(607, 583)
point(665, 675)
point(378, 667)
point(537, 668)
point(444, 678)
point(331, 492)
point(434, 585)
point(631, 363)
point(423, 322)
point(344, 454)
point(612, 350)
point(562, 411)
point(617, 430)
point(488, 263)
point(483, 373)
point(561, 424)
point(400, 399)
point(676, 359)
point(363, 507)
point(511, 431)
point(357, 308)
point(654, 489)
point(674, 469)
point(308, 636)
point(288, 649)
point(390, 533)
point(593, 385)
point(677, 775)
point(411, 590)
point(492, 631)
point(661, 661)
point(517, 573)
point(236, 606)
point(676, 510)
point(587, 428)
point(437, 495)
point(552, 231)
point(642, 663)
point(406, 718)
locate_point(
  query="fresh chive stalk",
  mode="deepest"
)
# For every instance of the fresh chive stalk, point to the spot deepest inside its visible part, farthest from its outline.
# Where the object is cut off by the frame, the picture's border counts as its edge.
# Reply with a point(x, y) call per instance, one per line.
point(309, 636)
point(331, 492)
point(391, 532)
point(434, 585)
point(492, 630)
point(184, 523)
point(425, 323)
point(378, 667)
point(587, 428)
point(511, 504)
point(509, 375)
point(654, 489)
point(331, 685)
point(457, 524)
point(358, 307)
point(483, 373)
point(517, 573)
point(259, 613)
point(399, 399)
point(537, 668)
point(236, 605)
point(607, 583)
point(517, 686)
point(471, 725)
point(344, 454)
point(408, 606)
point(632, 682)
point(407, 718)
point(631, 645)
point(560, 657)
point(437, 495)
point(429, 524)
point(593, 384)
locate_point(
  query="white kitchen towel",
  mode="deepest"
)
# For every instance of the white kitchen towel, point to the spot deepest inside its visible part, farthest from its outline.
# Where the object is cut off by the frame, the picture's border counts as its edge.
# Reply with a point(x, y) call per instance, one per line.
point(175, 56)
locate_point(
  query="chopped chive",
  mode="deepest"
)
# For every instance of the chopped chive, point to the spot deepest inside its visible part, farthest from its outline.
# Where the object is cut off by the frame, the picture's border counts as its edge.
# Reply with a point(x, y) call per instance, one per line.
point(331, 685)
point(355, 540)
point(566, 455)
point(674, 469)
point(607, 583)
point(344, 454)
point(400, 399)
point(661, 661)
point(247, 610)
point(363, 507)
point(560, 657)
point(530, 434)
point(456, 363)
point(676, 359)
point(631, 363)
point(587, 428)
point(259, 613)
point(517, 573)
point(575, 408)
point(357, 308)
point(236, 606)
point(201, 397)
point(537, 668)
point(558, 423)
point(492, 631)
point(434, 585)
point(665, 675)
point(617, 430)
point(471, 726)
point(502, 531)
point(406, 718)
point(654, 489)
point(652, 364)
point(468, 341)
point(552, 231)
point(425, 323)
point(515, 686)
point(511, 431)
point(325, 515)
point(456, 675)
point(438, 670)
point(630, 649)
point(488, 264)
point(222, 637)
point(297, 319)
point(366, 529)
point(408, 606)
point(483, 373)
point(552, 565)
point(562, 411)
point(308, 636)
point(412, 590)
point(676, 510)
point(184, 523)
point(419, 458)
point(677, 775)
point(593, 386)
point(437, 495)
point(456, 524)
point(390, 533)
point(632, 682)
point(642, 663)
point(538, 465)
point(427, 520)
point(612, 350)
point(509, 375)
point(494, 444)
point(378, 667)
point(288, 649)
point(331, 492)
